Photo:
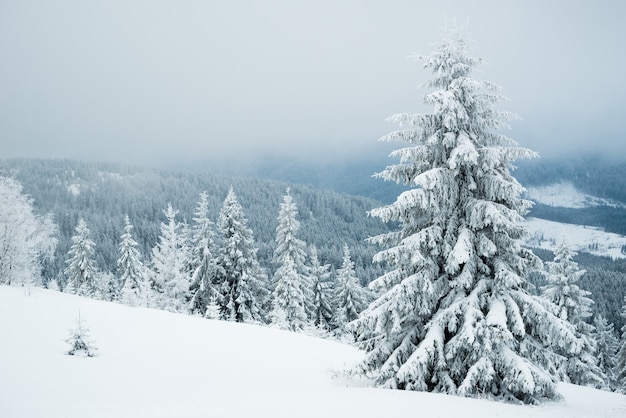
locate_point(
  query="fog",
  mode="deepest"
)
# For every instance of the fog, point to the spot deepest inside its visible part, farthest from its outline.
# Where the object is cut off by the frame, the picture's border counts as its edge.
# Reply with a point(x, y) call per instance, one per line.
point(156, 81)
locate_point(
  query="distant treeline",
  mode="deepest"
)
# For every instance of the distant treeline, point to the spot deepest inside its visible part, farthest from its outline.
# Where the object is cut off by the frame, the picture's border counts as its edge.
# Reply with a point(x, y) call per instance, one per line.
point(591, 174)
point(103, 194)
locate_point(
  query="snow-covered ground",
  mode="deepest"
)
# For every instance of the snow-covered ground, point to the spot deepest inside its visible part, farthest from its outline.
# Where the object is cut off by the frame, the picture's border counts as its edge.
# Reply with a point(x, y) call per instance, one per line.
point(549, 234)
point(565, 195)
point(157, 364)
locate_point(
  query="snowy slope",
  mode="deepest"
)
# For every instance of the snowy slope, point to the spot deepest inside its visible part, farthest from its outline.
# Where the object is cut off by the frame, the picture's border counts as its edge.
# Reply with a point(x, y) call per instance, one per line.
point(156, 364)
point(548, 235)
point(565, 195)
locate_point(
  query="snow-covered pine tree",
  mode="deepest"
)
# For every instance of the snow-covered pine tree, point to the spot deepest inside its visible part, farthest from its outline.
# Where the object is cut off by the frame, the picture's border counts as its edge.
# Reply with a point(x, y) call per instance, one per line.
point(108, 286)
point(81, 266)
point(130, 267)
point(288, 301)
point(573, 304)
point(606, 349)
point(351, 298)
point(79, 340)
point(202, 260)
point(26, 239)
point(293, 292)
point(455, 314)
point(169, 280)
point(620, 367)
point(213, 309)
point(322, 291)
point(241, 280)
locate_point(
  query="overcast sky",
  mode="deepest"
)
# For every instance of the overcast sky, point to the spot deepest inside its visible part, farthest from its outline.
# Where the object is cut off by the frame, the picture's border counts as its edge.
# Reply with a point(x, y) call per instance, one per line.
point(138, 81)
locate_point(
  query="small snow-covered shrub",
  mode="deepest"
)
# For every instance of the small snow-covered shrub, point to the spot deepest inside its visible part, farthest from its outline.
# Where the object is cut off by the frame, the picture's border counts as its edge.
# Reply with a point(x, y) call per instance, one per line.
point(80, 343)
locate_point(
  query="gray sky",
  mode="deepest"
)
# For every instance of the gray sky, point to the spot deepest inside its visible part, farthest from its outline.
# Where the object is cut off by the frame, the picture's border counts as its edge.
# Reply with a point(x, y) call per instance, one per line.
point(145, 81)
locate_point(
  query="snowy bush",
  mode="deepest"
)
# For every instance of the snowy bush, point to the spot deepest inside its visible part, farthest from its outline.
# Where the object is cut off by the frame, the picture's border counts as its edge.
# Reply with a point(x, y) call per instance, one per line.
point(80, 343)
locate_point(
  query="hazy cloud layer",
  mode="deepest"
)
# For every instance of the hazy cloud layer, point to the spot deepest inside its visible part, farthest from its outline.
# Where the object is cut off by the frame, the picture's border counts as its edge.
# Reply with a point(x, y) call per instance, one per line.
point(151, 80)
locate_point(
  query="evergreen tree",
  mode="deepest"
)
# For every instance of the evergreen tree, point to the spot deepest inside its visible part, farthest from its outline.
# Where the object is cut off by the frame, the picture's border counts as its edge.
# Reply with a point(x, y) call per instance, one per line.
point(79, 340)
point(239, 276)
point(351, 297)
point(573, 304)
point(288, 302)
point(620, 367)
point(455, 314)
point(108, 285)
point(25, 239)
point(322, 291)
point(81, 268)
point(130, 267)
point(169, 280)
point(291, 281)
point(203, 268)
point(606, 349)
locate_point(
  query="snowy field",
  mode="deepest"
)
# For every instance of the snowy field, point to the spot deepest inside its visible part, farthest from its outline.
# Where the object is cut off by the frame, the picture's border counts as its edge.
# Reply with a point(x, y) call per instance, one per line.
point(548, 235)
point(156, 364)
point(565, 195)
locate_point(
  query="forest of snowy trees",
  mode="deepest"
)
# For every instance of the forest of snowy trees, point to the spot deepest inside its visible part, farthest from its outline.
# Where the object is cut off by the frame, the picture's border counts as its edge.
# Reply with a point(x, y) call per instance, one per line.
point(205, 267)
point(447, 304)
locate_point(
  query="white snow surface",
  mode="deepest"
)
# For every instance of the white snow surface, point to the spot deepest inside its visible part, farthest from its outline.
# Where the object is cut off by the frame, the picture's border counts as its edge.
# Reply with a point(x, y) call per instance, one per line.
point(157, 364)
point(548, 235)
point(565, 195)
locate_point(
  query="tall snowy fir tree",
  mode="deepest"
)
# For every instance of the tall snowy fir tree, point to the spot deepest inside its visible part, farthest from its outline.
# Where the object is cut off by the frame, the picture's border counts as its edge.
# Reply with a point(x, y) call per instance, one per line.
point(620, 366)
point(202, 260)
point(350, 297)
point(130, 267)
point(606, 349)
point(169, 280)
point(455, 314)
point(573, 304)
point(242, 282)
point(26, 239)
point(322, 291)
point(288, 302)
point(292, 292)
point(81, 267)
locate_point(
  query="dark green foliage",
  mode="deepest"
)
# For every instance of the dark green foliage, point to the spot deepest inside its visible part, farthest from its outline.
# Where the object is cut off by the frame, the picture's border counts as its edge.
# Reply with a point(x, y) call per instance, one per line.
point(612, 219)
point(593, 174)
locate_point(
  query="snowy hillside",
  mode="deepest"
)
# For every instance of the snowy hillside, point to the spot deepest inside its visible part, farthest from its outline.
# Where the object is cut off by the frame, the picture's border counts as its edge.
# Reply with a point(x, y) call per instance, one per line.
point(156, 364)
point(565, 195)
point(548, 234)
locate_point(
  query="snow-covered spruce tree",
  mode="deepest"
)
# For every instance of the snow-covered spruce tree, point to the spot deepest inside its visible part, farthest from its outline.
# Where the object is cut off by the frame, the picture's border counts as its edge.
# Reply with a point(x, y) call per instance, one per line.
point(80, 343)
point(322, 291)
point(25, 238)
point(606, 349)
point(455, 314)
point(169, 280)
point(293, 292)
point(241, 281)
point(130, 267)
point(288, 301)
point(108, 285)
point(573, 304)
point(202, 258)
point(350, 297)
point(81, 267)
point(620, 367)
